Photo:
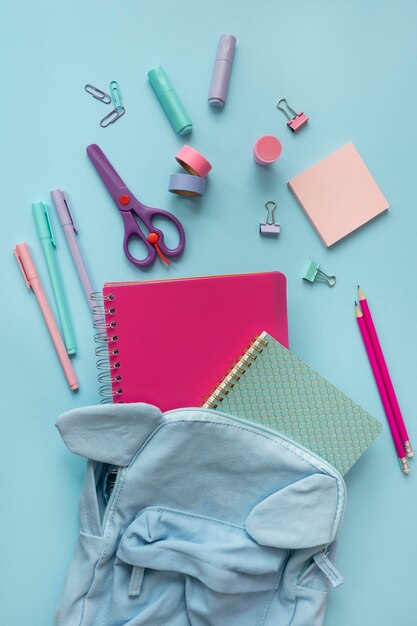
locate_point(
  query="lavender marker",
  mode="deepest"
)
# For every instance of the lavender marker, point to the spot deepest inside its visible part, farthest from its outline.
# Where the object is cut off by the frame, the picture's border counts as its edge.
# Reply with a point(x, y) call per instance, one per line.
point(221, 72)
point(60, 200)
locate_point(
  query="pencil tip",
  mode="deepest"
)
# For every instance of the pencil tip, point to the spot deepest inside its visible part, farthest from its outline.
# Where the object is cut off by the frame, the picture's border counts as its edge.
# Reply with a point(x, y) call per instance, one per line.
point(356, 304)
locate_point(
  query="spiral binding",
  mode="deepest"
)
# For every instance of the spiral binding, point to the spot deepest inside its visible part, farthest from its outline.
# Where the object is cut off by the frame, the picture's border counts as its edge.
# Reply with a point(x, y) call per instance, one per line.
point(107, 352)
point(238, 370)
point(98, 296)
point(98, 309)
point(104, 352)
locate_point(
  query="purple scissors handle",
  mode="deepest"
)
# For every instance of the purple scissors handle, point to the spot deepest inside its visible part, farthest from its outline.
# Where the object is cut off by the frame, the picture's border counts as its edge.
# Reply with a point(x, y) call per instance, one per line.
point(133, 211)
point(132, 230)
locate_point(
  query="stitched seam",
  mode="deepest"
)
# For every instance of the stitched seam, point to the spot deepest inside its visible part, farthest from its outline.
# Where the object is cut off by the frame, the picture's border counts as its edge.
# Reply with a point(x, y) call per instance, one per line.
point(136, 580)
point(324, 591)
point(86, 509)
point(222, 569)
point(192, 515)
point(147, 522)
point(284, 444)
point(112, 510)
point(88, 591)
point(327, 571)
point(294, 589)
point(293, 592)
point(106, 537)
point(295, 581)
point(273, 592)
point(100, 554)
point(256, 428)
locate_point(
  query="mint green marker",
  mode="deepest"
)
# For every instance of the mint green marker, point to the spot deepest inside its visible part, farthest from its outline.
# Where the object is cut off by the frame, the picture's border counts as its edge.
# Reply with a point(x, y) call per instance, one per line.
point(46, 235)
point(169, 100)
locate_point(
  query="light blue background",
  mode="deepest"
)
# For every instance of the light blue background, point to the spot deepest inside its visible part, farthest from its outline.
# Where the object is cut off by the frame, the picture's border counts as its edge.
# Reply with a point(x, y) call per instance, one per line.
point(351, 66)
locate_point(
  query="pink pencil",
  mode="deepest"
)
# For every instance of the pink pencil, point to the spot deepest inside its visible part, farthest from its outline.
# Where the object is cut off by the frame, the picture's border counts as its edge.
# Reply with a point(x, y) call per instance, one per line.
point(382, 391)
point(385, 373)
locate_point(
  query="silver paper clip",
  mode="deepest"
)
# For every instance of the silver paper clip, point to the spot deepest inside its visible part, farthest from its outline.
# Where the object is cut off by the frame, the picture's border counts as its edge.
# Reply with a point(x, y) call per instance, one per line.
point(98, 94)
point(269, 227)
point(118, 110)
point(112, 117)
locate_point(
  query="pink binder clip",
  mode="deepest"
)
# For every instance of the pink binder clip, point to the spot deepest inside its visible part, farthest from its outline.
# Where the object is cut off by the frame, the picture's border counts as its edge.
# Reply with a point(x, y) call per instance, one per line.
point(296, 120)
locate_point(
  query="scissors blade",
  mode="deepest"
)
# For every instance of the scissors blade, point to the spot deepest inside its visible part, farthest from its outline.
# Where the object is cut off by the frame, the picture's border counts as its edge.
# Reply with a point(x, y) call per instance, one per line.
point(115, 185)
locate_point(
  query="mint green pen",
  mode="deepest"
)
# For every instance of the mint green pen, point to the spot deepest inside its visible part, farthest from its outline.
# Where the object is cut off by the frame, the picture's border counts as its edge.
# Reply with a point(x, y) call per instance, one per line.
point(46, 235)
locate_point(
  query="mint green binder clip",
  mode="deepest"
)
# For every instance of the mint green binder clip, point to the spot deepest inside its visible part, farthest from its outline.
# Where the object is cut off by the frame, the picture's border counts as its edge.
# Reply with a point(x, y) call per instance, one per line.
point(314, 273)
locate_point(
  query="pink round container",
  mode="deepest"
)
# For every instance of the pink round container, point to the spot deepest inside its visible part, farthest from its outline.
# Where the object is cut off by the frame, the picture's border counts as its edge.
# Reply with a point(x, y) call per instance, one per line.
point(267, 150)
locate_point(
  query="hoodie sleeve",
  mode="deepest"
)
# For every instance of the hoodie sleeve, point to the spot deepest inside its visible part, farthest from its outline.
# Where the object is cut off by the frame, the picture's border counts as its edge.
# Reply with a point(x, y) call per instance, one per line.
point(109, 433)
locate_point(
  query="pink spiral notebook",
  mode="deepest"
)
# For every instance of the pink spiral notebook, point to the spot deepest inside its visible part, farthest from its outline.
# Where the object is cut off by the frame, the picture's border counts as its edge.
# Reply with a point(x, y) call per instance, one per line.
point(170, 341)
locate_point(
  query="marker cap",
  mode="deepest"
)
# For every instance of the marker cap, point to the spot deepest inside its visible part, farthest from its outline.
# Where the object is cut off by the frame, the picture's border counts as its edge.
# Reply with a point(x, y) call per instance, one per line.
point(221, 71)
point(25, 262)
point(43, 221)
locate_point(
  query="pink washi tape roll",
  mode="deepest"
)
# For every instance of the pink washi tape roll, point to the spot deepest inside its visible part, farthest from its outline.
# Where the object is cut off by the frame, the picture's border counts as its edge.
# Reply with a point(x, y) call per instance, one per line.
point(193, 161)
point(267, 150)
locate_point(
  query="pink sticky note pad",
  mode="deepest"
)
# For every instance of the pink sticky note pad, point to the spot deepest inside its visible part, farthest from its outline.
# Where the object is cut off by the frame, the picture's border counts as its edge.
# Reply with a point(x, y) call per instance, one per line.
point(338, 194)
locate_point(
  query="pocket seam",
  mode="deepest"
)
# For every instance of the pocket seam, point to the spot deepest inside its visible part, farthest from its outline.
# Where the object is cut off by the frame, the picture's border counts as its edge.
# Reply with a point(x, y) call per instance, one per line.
point(192, 556)
point(214, 520)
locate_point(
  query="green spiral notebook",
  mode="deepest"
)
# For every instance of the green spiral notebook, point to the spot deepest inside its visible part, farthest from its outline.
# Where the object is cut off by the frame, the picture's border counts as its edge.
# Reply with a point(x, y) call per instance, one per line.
point(271, 386)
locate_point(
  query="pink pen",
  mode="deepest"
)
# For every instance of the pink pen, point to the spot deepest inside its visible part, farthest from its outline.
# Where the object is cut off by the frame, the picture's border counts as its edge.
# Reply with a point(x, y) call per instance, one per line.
point(382, 391)
point(33, 282)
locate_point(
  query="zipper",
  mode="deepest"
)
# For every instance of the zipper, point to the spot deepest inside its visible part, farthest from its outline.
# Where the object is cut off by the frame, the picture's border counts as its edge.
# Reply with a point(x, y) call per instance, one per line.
point(111, 499)
point(331, 470)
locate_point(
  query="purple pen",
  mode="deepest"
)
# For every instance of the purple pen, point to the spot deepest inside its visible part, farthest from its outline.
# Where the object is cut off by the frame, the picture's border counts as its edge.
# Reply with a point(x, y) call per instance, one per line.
point(221, 72)
point(61, 204)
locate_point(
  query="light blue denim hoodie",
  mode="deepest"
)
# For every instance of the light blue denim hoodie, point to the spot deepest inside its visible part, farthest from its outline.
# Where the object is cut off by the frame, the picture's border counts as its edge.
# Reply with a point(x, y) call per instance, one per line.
point(212, 521)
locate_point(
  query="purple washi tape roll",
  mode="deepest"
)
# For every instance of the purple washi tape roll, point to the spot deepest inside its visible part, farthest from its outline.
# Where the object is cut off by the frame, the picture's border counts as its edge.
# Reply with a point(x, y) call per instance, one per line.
point(186, 185)
point(221, 72)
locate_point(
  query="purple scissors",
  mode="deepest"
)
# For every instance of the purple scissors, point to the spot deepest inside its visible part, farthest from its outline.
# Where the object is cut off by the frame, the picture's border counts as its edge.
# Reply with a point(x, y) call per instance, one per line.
point(133, 211)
